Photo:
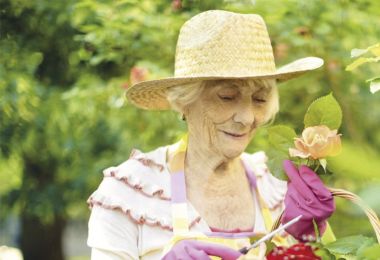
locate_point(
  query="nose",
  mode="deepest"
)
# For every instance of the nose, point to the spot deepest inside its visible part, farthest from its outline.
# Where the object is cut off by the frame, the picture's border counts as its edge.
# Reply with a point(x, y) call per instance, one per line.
point(244, 113)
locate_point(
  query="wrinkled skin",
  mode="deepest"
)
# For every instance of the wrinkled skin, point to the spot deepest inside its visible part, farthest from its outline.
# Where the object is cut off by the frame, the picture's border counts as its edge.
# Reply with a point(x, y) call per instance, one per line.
point(224, 110)
point(221, 123)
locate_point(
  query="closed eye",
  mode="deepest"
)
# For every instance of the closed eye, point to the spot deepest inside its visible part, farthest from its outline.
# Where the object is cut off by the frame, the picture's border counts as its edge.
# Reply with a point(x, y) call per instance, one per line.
point(259, 100)
point(227, 98)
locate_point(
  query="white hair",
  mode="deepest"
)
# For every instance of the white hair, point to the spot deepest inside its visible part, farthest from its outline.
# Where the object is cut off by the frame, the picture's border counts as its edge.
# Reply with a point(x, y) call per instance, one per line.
point(181, 96)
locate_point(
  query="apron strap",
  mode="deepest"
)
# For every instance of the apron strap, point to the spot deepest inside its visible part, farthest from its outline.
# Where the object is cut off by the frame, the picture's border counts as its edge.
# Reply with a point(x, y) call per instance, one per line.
point(267, 216)
point(179, 211)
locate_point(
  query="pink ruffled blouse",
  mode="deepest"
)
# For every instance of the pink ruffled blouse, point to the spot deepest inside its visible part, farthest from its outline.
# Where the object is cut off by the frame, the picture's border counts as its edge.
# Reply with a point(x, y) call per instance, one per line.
point(131, 209)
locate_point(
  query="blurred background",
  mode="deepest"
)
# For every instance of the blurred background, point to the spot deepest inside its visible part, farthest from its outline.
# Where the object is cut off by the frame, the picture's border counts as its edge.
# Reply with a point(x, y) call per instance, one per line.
point(64, 66)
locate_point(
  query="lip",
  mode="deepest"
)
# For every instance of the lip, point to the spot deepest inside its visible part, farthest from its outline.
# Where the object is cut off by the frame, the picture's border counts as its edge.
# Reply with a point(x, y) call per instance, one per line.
point(235, 135)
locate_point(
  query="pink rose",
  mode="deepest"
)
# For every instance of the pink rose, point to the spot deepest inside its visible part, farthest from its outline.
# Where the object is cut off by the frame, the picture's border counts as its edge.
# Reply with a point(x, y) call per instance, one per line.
point(316, 142)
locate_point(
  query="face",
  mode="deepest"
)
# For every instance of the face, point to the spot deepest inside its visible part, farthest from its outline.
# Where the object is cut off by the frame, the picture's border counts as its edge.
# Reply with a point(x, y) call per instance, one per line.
point(225, 116)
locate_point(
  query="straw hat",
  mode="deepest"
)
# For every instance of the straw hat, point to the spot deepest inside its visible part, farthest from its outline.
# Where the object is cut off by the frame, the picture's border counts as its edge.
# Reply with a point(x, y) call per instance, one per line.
point(219, 45)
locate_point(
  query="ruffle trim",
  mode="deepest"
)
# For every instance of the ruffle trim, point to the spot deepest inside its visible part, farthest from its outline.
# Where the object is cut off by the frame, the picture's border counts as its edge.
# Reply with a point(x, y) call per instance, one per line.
point(271, 189)
point(140, 156)
point(136, 217)
point(144, 172)
point(148, 189)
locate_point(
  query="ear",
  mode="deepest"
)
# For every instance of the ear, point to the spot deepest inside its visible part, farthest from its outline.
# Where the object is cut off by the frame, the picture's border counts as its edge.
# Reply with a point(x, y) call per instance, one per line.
point(185, 112)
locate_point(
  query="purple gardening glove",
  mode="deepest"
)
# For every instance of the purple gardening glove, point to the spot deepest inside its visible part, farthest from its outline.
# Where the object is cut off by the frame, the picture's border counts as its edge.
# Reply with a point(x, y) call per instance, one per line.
point(306, 196)
point(192, 249)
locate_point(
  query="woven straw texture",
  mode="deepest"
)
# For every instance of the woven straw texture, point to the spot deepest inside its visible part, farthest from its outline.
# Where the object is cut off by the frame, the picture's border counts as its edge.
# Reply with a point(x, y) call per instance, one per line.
point(372, 217)
point(219, 45)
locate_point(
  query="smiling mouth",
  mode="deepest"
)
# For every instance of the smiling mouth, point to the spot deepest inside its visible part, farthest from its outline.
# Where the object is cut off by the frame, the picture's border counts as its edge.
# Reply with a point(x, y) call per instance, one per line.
point(234, 135)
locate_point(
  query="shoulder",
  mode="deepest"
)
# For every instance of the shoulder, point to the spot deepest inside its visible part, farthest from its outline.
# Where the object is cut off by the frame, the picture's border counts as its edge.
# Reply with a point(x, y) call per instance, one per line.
point(139, 188)
point(271, 189)
point(146, 173)
point(140, 180)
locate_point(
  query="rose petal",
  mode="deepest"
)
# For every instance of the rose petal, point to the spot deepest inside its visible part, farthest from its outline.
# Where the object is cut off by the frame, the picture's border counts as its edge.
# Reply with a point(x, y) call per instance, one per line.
point(297, 153)
point(300, 144)
point(336, 145)
point(319, 149)
point(317, 142)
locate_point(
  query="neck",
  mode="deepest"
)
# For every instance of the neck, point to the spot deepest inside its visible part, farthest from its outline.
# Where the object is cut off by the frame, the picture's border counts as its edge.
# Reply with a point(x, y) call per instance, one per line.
point(202, 163)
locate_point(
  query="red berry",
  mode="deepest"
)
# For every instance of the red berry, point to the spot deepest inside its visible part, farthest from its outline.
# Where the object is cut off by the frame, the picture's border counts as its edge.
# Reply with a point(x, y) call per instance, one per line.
point(297, 251)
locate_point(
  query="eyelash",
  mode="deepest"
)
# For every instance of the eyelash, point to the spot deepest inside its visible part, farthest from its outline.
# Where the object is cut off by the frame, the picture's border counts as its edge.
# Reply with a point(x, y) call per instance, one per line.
point(231, 98)
point(259, 100)
point(226, 98)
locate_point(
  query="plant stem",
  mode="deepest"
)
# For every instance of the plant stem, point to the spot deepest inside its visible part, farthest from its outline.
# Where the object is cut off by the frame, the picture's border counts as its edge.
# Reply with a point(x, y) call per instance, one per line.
point(316, 169)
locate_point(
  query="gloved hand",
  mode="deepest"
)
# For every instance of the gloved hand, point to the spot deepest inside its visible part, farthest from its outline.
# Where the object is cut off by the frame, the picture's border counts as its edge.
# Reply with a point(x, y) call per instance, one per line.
point(306, 196)
point(192, 249)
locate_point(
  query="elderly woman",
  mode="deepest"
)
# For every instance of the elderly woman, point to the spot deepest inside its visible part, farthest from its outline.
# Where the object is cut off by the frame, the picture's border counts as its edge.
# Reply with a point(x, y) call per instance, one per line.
point(204, 196)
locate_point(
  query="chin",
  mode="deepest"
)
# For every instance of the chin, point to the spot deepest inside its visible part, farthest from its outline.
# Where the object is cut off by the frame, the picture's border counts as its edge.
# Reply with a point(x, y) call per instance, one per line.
point(232, 153)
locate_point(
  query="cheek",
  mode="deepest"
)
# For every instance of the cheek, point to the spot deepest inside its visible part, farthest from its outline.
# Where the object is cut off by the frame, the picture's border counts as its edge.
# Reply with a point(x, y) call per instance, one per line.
point(259, 118)
point(262, 116)
point(217, 112)
point(209, 129)
point(202, 123)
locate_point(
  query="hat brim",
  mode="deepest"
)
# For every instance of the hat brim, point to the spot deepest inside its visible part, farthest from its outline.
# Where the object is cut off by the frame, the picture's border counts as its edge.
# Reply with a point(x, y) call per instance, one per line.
point(151, 94)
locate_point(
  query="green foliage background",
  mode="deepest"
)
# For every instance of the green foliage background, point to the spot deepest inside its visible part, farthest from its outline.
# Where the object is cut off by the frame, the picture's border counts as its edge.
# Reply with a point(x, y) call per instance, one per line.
point(64, 66)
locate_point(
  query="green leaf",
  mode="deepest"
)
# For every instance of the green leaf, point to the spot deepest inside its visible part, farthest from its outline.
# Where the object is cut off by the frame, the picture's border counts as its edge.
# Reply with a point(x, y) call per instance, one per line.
point(375, 49)
point(324, 254)
point(281, 137)
point(348, 245)
point(316, 230)
point(369, 252)
point(356, 63)
point(324, 111)
point(360, 61)
point(275, 160)
point(358, 52)
point(269, 246)
point(373, 78)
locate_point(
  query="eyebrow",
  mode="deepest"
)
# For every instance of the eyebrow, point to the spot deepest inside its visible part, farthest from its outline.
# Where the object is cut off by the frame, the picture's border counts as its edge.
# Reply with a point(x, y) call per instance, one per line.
point(227, 88)
point(262, 89)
